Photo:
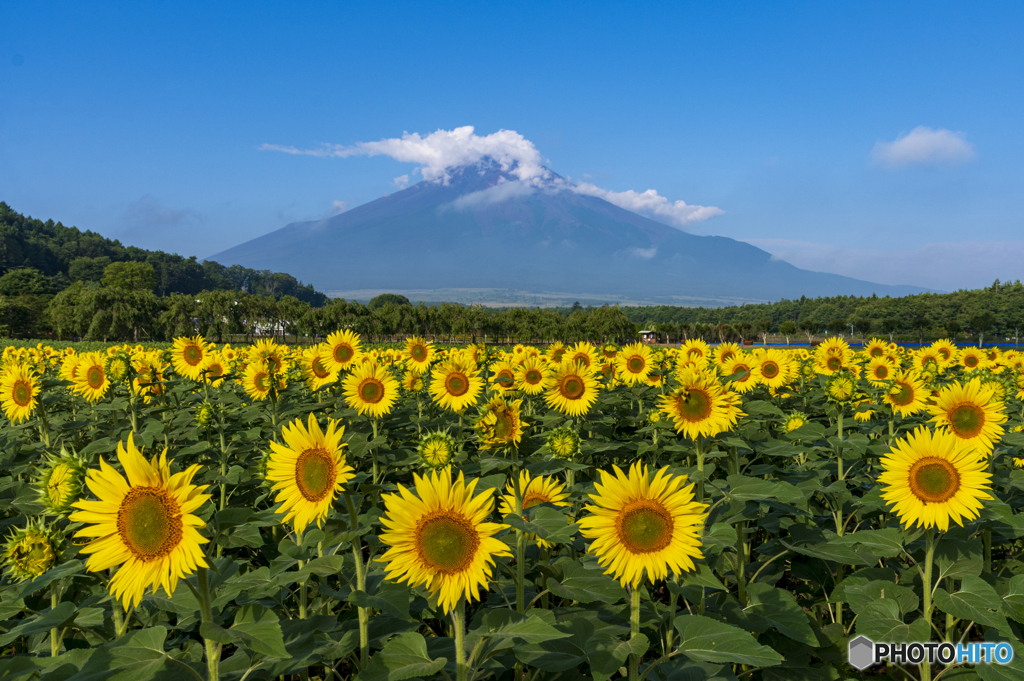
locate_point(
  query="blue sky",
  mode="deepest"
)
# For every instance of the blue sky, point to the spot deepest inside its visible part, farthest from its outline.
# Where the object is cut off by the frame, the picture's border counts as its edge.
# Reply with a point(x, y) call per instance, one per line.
point(877, 140)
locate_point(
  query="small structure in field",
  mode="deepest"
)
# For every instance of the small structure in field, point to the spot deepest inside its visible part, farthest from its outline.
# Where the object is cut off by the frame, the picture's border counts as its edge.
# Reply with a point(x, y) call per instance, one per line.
point(649, 336)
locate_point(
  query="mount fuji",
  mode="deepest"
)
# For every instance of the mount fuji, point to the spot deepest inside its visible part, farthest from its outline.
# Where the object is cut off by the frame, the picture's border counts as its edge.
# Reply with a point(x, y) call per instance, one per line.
point(494, 237)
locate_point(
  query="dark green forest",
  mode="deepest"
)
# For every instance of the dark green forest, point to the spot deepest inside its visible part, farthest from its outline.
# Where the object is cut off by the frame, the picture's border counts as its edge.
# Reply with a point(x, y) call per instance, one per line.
point(62, 283)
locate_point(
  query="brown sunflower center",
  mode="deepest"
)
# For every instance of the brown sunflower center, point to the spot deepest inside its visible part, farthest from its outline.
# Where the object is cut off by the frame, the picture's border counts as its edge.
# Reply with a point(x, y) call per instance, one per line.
point(694, 404)
point(532, 376)
point(262, 381)
point(742, 369)
point(644, 526)
point(876, 352)
point(215, 370)
point(343, 353)
point(274, 363)
point(94, 377)
point(934, 480)
point(533, 498)
point(881, 372)
point(192, 354)
point(966, 420)
point(504, 425)
point(635, 364)
point(902, 394)
point(446, 541)
point(505, 378)
point(557, 355)
point(418, 353)
point(945, 353)
point(456, 384)
point(572, 387)
point(582, 357)
point(770, 370)
point(971, 361)
point(149, 523)
point(317, 366)
point(315, 473)
point(371, 390)
point(727, 355)
point(834, 363)
point(22, 393)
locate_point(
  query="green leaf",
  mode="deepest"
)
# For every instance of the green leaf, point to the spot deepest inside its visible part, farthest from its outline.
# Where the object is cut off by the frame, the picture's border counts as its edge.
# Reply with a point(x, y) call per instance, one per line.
point(976, 601)
point(391, 598)
point(548, 524)
point(514, 627)
point(1013, 600)
point(859, 596)
point(958, 558)
point(779, 609)
point(883, 543)
point(561, 654)
point(71, 567)
point(708, 640)
point(607, 653)
point(755, 489)
point(404, 657)
point(57, 617)
point(586, 585)
point(703, 576)
point(259, 630)
point(882, 621)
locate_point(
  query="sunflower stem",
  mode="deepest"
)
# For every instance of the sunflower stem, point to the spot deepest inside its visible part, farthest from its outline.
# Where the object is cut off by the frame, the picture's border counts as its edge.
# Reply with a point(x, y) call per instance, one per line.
point(364, 613)
point(459, 625)
point(54, 634)
point(634, 630)
point(839, 445)
point(986, 539)
point(206, 612)
point(929, 558)
point(700, 468)
point(741, 560)
point(520, 569)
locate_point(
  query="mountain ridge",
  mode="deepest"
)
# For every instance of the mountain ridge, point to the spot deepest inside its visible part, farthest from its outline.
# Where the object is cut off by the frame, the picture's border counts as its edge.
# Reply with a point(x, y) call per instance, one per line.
point(483, 228)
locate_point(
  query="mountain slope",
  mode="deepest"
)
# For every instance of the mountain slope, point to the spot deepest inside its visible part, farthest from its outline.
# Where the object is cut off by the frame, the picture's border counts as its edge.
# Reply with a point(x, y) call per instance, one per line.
point(487, 230)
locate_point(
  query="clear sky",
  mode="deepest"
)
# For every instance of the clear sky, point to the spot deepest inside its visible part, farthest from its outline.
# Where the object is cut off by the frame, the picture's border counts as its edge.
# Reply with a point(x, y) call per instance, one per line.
point(874, 139)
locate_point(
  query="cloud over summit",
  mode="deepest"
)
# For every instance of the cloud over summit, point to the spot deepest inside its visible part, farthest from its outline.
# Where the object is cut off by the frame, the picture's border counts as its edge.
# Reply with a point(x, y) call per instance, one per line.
point(442, 151)
point(924, 146)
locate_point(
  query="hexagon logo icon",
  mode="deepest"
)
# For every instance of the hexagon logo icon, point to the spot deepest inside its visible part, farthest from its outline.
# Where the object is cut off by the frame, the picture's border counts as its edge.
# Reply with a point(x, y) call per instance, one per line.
point(861, 652)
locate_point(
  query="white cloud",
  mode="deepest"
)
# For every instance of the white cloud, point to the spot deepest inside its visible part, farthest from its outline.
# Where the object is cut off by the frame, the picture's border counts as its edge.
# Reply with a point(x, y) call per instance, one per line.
point(924, 146)
point(441, 151)
point(678, 214)
point(338, 207)
point(645, 253)
point(499, 192)
point(444, 150)
point(942, 266)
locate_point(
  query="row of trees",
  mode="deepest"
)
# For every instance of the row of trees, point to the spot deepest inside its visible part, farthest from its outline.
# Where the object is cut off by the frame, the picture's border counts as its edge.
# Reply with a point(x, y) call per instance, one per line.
point(42, 258)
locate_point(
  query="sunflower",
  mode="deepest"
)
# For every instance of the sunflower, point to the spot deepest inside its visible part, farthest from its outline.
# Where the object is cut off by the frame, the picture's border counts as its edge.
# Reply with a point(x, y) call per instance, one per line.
point(60, 483)
point(1019, 463)
point(500, 424)
point(436, 449)
point(563, 443)
point(701, 406)
point(833, 358)
point(308, 471)
point(145, 524)
point(583, 352)
point(190, 356)
point(880, 371)
point(840, 387)
point(503, 376)
point(315, 364)
point(634, 364)
point(749, 372)
point(555, 352)
point(418, 354)
point(216, 369)
point(833, 347)
point(118, 366)
point(91, 380)
point(971, 413)
point(30, 552)
point(973, 359)
point(725, 352)
point(609, 350)
point(876, 347)
point(931, 477)
point(371, 390)
point(907, 393)
point(413, 382)
point(695, 349)
point(639, 524)
point(149, 378)
point(532, 375)
point(774, 367)
point(794, 421)
point(534, 491)
point(439, 537)
point(18, 392)
point(571, 389)
point(257, 381)
point(456, 384)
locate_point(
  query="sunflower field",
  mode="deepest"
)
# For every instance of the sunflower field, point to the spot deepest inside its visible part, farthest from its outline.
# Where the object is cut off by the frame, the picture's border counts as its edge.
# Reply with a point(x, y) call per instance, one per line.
point(348, 511)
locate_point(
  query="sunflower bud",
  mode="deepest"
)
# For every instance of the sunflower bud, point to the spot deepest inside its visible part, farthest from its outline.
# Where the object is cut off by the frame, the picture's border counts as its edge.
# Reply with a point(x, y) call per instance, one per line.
point(563, 443)
point(118, 367)
point(436, 450)
point(30, 552)
point(60, 482)
point(204, 414)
